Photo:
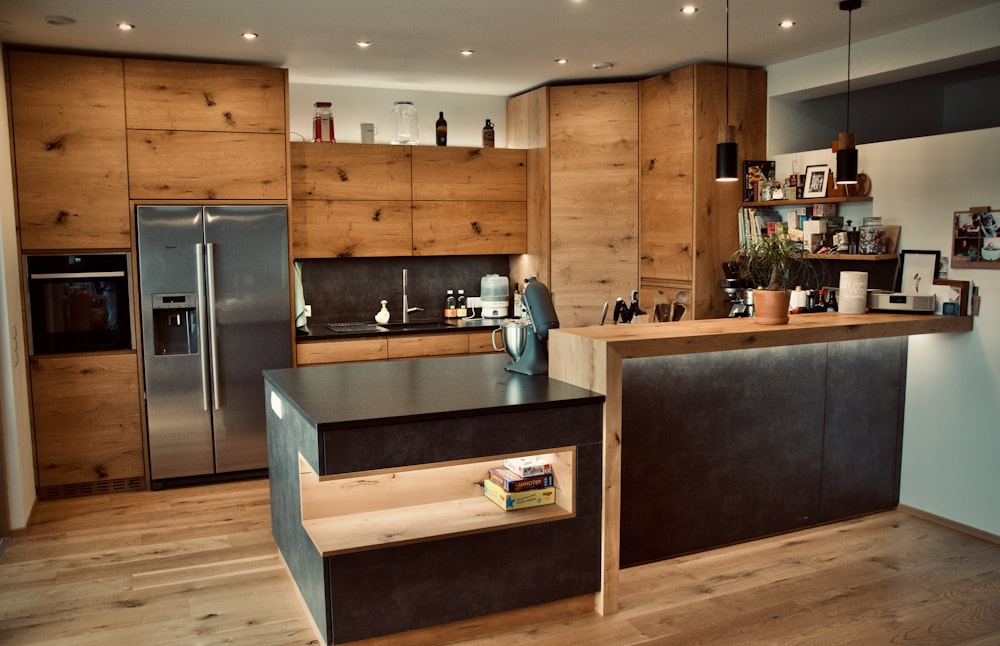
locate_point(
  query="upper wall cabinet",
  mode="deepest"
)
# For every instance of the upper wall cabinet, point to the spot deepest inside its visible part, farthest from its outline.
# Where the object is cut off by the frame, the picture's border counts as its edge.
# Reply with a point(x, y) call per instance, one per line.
point(68, 122)
point(206, 131)
point(477, 174)
point(326, 171)
point(171, 95)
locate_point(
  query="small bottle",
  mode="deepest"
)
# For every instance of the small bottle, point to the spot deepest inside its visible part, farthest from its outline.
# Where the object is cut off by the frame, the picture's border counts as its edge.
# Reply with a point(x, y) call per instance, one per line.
point(516, 313)
point(441, 130)
point(461, 307)
point(831, 302)
point(450, 305)
point(488, 135)
point(323, 122)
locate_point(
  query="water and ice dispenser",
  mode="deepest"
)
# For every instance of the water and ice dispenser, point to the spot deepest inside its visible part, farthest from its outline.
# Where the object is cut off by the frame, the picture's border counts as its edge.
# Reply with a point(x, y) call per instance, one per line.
point(175, 324)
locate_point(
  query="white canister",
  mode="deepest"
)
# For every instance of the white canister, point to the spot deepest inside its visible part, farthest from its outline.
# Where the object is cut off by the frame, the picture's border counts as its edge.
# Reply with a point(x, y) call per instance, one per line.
point(853, 296)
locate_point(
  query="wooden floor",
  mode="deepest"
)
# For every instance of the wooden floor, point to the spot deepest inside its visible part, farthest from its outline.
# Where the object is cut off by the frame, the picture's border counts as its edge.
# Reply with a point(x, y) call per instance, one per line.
point(198, 566)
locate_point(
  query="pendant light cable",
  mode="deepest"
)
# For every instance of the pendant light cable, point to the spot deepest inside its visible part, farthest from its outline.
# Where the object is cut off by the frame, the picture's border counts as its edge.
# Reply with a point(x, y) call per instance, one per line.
point(850, 21)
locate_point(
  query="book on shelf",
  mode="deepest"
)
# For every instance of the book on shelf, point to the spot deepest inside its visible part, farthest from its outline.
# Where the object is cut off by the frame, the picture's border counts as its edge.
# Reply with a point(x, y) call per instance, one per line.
point(510, 481)
point(512, 500)
point(529, 465)
point(754, 223)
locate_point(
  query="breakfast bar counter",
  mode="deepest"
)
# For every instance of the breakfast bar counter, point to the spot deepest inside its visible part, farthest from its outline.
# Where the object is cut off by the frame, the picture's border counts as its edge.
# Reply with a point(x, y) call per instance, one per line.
point(723, 430)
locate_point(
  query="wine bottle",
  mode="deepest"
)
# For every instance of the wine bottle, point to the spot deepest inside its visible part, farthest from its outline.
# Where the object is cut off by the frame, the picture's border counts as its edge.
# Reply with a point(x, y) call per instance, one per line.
point(441, 130)
point(488, 135)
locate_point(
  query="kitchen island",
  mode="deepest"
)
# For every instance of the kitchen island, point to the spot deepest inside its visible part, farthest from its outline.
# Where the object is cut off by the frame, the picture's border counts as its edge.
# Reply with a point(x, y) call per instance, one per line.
point(376, 474)
point(722, 430)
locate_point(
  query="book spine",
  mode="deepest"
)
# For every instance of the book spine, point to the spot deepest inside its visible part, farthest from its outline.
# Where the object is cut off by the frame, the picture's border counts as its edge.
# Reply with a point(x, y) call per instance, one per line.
point(511, 501)
point(511, 482)
point(524, 469)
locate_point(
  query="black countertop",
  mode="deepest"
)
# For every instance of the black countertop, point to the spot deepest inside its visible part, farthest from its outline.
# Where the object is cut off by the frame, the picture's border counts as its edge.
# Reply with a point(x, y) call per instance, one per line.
point(320, 331)
point(378, 392)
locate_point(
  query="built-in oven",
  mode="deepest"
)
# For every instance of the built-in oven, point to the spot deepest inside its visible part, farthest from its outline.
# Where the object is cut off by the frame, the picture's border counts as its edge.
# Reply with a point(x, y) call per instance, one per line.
point(79, 302)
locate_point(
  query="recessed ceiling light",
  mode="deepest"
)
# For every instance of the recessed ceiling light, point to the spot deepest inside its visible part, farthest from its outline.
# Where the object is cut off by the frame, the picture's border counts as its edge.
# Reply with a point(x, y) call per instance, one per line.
point(787, 24)
point(561, 61)
point(124, 26)
point(249, 35)
point(603, 65)
point(689, 9)
point(60, 21)
point(468, 52)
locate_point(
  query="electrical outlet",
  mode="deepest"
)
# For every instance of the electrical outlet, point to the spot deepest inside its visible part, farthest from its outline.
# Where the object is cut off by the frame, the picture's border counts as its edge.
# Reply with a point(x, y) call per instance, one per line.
point(308, 310)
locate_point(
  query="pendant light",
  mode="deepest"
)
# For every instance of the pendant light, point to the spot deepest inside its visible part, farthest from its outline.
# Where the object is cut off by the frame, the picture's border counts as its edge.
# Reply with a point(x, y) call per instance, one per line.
point(727, 152)
point(847, 154)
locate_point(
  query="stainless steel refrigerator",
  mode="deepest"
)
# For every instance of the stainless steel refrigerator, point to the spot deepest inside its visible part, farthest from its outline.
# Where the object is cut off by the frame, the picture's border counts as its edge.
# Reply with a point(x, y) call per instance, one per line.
point(215, 312)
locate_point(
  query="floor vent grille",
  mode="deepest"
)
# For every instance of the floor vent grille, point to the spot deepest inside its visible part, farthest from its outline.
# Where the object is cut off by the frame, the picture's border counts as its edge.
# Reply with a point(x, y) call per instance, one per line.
point(91, 488)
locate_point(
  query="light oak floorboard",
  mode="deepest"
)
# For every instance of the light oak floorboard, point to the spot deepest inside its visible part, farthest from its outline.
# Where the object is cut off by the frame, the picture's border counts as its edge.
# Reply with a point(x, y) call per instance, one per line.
point(199, 566)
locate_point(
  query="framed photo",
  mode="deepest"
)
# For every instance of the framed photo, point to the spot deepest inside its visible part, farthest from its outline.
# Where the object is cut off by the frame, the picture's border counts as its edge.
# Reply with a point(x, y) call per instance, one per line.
point(976, 239)
point(919, 271)
point(816, 178)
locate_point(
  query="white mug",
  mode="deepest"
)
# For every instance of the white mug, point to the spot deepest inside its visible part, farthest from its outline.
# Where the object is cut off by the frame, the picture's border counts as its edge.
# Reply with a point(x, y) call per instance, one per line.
point(368, 132)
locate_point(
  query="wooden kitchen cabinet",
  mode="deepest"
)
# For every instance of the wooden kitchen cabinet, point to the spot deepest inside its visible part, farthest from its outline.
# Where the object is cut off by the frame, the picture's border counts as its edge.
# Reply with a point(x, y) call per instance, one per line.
point(428, 345)
point(475, 174)
point(688, 221)
point(468, 228)
point(351, 201)
point(68, 126)
point(403, 346)
point(583, 192)
point(342, 351)
point(212, 97)
point(87, 432)
point(206, 131)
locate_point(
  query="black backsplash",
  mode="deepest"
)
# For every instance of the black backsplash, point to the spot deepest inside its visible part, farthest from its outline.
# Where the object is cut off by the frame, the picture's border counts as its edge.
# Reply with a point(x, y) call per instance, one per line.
point(350, 289)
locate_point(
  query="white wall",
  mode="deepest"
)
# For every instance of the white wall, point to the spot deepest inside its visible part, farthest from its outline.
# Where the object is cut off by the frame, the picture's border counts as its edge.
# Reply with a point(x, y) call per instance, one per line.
point(951, 434)
point(15, 423)
point(465, 113)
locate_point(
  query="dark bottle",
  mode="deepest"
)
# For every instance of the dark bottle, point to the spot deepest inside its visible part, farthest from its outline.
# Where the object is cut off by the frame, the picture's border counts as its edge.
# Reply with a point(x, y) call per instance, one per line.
point(831, 302)
point(488, 136)
point(819, 303)
point(441, 130)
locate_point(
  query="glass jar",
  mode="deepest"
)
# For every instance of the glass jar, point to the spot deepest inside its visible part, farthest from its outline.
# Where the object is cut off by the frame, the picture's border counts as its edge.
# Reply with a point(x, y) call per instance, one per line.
point(323, 122)
point(407, 129)
point(871, 238)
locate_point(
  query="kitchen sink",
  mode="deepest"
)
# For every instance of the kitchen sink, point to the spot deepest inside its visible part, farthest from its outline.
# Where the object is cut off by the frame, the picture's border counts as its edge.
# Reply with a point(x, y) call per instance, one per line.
point(416, 325)
point(399, 326)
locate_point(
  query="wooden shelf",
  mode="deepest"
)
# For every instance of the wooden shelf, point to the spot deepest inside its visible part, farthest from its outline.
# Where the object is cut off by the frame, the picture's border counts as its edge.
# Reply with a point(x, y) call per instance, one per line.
point(815, 200)
point(853, 256)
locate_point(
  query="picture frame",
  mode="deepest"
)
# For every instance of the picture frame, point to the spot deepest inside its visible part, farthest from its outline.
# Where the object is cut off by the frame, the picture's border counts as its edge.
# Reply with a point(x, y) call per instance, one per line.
point(817, 176)
point(976, 239)
point(919, 270)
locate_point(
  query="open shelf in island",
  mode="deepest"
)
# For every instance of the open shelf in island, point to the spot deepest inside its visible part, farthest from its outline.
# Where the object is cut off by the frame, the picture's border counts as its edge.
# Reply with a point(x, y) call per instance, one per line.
point(359, 512)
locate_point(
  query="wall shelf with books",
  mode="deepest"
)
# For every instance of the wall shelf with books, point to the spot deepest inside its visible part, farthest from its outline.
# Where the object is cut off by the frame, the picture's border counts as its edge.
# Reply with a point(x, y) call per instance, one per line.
point(854, 256)
point(814, 200)
point(367, 511)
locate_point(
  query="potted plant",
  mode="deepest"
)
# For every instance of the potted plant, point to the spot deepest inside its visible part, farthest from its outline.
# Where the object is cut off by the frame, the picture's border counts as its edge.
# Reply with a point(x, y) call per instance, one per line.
point(772, 265)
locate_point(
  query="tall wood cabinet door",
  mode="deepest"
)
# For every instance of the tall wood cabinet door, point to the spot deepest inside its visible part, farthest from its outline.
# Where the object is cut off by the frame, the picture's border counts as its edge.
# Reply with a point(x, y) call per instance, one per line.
point(442, 173)
point(594, 158)
point(180, 164)
point(86, 418)
point(666, 168)
point(68, 122)
point(173, 95)
point(351, 229)
point(468, 228)
point(322, 171)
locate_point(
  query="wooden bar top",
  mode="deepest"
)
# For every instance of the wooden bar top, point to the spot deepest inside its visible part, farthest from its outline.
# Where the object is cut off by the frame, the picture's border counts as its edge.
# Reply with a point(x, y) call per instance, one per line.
point(575, 352)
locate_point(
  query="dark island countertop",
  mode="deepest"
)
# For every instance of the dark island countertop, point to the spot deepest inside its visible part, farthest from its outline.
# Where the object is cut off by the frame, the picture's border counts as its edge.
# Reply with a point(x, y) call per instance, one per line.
point(375, 393)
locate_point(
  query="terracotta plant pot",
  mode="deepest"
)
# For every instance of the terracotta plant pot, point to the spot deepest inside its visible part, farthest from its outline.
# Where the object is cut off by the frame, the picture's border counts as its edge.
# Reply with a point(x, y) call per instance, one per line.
point(770, 307)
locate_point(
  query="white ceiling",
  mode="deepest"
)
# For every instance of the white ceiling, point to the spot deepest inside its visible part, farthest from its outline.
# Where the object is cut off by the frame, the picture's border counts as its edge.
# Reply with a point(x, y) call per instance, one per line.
point(416, 43)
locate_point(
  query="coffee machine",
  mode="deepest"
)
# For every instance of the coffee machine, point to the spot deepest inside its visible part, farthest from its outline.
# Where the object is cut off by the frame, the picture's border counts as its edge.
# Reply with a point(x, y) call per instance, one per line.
point(527, 342)
point(736, 292)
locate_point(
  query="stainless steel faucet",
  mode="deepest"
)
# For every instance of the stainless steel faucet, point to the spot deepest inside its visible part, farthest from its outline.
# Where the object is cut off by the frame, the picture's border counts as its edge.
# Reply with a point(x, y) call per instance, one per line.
point(407, 310)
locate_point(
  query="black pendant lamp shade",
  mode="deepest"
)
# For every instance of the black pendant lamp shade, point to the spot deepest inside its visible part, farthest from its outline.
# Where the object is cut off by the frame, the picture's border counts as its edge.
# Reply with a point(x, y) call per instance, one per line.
point(847, 154)
point(727, 151)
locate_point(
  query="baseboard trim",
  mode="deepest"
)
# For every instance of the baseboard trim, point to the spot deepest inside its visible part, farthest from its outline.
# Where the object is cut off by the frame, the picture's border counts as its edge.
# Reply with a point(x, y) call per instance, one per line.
point(951, 524)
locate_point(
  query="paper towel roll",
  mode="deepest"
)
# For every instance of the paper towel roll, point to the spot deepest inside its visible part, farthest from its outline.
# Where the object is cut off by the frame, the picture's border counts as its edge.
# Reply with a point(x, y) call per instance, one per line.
point(853, 296)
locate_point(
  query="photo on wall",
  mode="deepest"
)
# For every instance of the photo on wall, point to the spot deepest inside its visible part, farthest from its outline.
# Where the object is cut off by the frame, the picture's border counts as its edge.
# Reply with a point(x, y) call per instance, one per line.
point(976, 239)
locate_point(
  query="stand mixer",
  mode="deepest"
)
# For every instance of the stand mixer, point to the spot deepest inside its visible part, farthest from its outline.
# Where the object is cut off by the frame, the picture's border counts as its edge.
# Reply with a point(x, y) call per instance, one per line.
point(525, 340)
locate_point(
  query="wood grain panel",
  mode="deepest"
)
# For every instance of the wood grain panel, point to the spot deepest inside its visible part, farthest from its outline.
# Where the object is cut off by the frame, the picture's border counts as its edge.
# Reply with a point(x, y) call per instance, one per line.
point(528, 128)
point(86, 418)
point(594, 146)
point(351, 229)
point(175, 95)
point(429, 345)
point(68, 121)
point(206, 165)
point(443, 173)
point(468, 228)
point(481, 342)
point(340, 351)
point(322, 171)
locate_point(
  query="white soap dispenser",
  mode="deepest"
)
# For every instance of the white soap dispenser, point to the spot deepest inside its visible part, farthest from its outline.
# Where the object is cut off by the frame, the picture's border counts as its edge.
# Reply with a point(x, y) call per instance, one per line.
point(383, 315)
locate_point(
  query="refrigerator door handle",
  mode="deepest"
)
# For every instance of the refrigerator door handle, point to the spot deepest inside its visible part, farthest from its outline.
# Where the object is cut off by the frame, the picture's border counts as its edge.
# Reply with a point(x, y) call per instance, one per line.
point(200, 271)
point(213, 345)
